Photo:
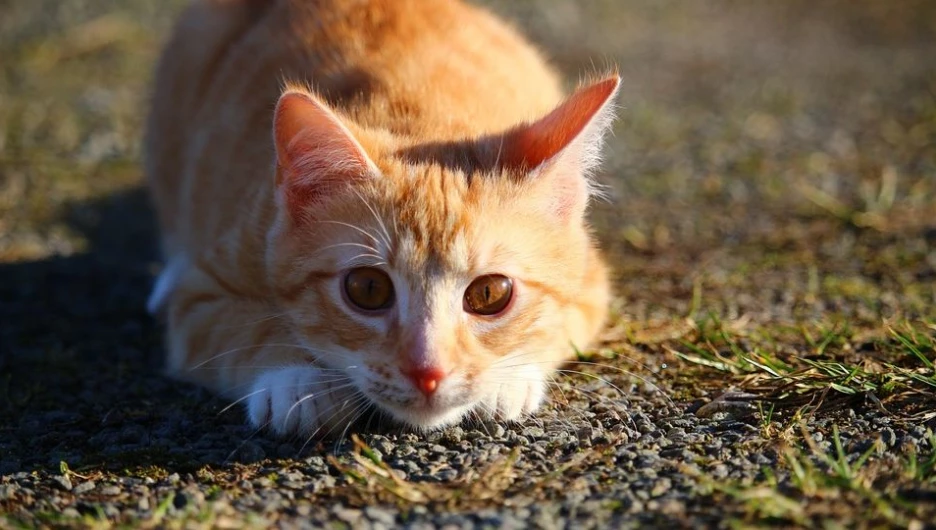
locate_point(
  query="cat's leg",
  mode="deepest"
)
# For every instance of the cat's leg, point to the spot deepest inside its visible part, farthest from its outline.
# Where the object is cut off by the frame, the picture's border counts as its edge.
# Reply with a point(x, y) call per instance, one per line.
point(241, 349)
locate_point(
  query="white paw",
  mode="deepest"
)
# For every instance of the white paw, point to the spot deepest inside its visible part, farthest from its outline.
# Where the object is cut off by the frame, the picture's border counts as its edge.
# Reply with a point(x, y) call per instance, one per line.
point(510, 401)
point(298, 400)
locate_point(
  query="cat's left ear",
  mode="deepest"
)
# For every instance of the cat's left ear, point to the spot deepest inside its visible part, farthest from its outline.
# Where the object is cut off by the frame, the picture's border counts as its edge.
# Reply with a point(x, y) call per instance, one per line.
point(562, 148)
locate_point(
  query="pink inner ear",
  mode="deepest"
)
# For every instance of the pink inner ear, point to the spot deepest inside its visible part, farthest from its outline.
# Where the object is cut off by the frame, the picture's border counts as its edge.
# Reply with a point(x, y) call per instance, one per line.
point(315, 152)
point(529, 146)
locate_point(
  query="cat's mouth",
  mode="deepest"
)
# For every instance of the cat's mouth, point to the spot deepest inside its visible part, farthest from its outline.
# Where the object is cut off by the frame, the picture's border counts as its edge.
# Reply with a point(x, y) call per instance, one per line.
point(425, 413)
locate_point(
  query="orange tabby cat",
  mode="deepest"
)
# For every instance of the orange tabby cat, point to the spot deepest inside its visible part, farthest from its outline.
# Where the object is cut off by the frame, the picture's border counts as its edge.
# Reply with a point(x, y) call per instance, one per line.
point(411, 235)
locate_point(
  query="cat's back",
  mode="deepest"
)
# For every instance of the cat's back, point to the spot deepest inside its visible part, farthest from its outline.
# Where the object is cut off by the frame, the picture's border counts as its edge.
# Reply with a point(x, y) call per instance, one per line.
point(422, 70)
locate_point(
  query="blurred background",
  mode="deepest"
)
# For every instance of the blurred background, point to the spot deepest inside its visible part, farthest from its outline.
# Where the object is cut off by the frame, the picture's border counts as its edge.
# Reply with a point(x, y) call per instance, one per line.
point(772, 160)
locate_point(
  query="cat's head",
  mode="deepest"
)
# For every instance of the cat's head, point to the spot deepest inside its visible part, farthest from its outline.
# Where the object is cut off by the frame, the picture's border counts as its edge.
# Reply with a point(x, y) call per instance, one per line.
point(440, 280)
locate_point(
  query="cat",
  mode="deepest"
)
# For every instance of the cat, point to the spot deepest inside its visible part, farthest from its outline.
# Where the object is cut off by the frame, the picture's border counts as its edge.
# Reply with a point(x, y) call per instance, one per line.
point(371, 204)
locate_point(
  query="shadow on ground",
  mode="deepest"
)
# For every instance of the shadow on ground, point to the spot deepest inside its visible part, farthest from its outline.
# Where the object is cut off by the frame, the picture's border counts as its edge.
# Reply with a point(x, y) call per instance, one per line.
point(80, 370)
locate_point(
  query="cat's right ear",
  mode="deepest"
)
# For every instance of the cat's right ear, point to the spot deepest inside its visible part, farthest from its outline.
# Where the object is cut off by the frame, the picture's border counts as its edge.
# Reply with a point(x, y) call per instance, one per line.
point(316, 154)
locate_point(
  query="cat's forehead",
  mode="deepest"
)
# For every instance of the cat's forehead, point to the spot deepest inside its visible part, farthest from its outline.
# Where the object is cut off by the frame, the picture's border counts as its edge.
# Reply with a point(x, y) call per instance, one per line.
point(434, 212)
point(441, 220)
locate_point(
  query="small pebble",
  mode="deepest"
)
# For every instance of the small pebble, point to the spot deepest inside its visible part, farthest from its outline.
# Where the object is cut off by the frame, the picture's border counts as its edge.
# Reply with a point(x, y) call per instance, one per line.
point(63, 482)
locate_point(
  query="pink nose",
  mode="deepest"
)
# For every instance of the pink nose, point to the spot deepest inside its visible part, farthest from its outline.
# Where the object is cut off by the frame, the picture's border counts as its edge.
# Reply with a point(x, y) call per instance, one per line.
point(425, 379)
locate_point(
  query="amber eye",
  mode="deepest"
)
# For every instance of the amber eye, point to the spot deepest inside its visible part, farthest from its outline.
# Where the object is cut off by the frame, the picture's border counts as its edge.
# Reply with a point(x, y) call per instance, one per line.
point(369, 288)
point(488, 295)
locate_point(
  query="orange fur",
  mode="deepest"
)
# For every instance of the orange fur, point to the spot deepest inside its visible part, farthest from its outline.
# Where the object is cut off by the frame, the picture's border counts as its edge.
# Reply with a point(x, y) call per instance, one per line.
point(430, 144)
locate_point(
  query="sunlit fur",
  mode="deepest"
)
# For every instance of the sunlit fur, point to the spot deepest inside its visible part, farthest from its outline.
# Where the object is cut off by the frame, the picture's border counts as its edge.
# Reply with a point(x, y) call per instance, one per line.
point(427, 91)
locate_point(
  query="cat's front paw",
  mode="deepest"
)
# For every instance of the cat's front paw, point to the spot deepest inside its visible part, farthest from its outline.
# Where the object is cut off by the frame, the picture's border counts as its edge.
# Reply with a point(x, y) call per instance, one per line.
point(510, 401)
point(298, 400)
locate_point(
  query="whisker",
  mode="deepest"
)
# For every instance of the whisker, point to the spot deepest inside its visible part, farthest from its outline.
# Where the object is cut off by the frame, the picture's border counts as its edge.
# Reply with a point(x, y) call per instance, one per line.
point(349, 244)
point(355, 397)
point(357, 412)
point(356, 402)
point(374, 411)
point(484, 424)
point(383, 227)
point(297, 385)
point(605, 365)
point(242, 348)
point(550, 378)
point(235, 402)
point(566, 407)
point(311, 396)
point(268, 389)
point(379, 260)
point(255, 432)
point(359, 229)
point(239, 325)
point(512, 356)
point(643, 379)
point(265, 345)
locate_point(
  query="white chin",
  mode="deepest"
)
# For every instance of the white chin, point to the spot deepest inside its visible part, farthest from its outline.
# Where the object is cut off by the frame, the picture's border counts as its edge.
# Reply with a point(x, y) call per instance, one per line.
point(428, 418)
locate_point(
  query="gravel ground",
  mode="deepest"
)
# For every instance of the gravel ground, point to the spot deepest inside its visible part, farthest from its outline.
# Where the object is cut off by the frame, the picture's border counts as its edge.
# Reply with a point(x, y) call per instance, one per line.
point(769, 361)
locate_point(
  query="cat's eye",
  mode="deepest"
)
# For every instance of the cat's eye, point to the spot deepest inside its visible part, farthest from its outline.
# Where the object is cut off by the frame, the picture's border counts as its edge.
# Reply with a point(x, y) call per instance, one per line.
point(369, 288)
point(488, 295)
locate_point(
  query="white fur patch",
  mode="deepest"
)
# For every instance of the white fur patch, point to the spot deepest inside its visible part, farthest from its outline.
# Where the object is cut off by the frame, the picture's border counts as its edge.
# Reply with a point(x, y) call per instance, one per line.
point(300, 400)
point(166, 283)
point(511, 400)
